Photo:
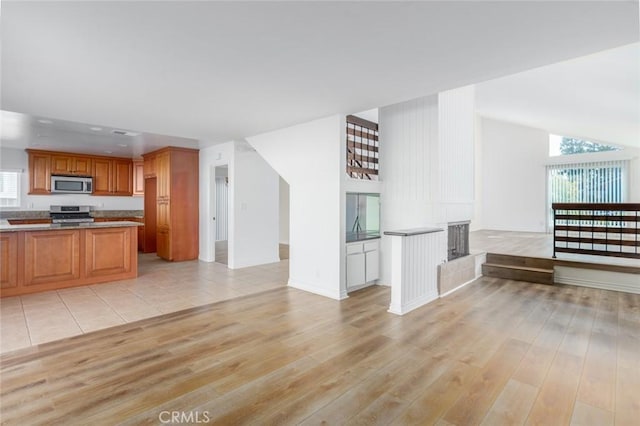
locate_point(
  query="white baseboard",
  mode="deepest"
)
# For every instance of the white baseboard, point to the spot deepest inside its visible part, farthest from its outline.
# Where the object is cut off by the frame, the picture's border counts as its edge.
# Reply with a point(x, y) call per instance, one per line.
point(605, 280)
point(254, 262)
point(414, 304)
point(336, 295)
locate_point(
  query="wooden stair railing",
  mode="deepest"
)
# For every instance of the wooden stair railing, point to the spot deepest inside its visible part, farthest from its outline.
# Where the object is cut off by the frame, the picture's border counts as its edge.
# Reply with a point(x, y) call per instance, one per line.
point(600, 229)
point(362, 148)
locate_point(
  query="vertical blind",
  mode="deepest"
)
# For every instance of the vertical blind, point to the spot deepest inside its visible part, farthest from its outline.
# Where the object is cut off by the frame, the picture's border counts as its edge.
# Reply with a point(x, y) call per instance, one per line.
point(222, 209)
point(597, 182)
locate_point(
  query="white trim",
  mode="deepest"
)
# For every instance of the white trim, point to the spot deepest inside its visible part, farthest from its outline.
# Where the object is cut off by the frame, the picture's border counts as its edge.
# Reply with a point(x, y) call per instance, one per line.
point(605, 280)
point(318, 290)
point(414, 304)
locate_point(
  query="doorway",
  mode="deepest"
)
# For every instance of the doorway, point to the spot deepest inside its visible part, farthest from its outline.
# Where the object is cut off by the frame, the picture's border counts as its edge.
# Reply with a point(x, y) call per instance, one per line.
point(221, 213)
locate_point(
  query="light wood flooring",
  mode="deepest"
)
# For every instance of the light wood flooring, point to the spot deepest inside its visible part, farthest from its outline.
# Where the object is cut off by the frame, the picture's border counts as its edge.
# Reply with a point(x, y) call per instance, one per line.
point(495, 352)
point(534, 244)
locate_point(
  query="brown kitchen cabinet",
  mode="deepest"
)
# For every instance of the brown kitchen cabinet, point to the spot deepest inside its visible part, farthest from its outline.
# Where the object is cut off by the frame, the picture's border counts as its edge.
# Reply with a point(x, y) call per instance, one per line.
point(33, 261)
point(112, 176)
point(175, 201)
point(141, 239)
point(9, 260)
point(51, 256)
point(39, 173)
point(138, 177)
point(150, 214)
point(62, 164)
point(149, 166)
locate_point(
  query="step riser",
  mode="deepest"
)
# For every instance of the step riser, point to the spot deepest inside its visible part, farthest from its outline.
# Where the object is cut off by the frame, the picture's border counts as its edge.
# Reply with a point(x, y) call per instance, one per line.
point(528, 262)
point(517, 274)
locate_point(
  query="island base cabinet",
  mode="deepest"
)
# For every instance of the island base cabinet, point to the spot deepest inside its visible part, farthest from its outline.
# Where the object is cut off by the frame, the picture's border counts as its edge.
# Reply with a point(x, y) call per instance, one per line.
point(9, 260)
point(36, 261)
point(108, 251)
point(51, 256)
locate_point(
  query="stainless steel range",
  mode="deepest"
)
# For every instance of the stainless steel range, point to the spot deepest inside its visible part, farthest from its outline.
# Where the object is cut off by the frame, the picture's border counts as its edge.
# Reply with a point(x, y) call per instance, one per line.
point(70, 215)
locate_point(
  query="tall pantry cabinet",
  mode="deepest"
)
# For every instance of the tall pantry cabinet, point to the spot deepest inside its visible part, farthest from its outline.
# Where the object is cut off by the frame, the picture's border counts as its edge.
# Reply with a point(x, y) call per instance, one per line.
point(175, 171)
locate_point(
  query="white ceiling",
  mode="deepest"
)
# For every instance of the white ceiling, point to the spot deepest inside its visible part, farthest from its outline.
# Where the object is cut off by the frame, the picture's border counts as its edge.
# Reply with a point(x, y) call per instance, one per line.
point(218, 71)
point(596, 97)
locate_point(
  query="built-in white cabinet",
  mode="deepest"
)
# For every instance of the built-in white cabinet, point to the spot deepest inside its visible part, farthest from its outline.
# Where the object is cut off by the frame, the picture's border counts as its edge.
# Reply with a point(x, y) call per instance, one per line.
point(363, 263)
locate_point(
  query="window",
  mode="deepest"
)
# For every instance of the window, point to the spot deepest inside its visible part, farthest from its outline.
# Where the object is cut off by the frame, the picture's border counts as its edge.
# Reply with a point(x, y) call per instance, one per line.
point(564, 145)
point(9, 188)
point(598, 182)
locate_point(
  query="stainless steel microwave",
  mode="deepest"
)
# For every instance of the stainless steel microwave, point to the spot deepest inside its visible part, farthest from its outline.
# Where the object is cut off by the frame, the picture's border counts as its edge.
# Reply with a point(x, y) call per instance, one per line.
point(71, 184)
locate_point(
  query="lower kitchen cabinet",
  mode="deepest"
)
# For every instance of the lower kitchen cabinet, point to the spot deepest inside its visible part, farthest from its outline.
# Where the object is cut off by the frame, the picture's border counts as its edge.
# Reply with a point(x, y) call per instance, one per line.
point(54, 258)
point(363, 263)
point(51, 256)
point(9, 260)
point(141, 239)
point(163, 243)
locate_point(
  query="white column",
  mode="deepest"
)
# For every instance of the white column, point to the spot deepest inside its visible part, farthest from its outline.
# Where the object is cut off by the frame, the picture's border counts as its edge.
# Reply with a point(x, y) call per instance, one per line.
point(415, 256)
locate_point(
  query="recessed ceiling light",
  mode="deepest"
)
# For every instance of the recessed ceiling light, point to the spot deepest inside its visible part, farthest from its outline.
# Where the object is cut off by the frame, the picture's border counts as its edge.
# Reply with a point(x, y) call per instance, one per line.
point(124, 133)
point(95, 129)
point(43, 121)
point(108, 152)
point(124, 145)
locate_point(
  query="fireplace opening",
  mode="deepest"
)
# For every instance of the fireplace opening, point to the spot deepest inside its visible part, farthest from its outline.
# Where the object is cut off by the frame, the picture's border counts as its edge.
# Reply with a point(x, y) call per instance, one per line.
point(458, 245)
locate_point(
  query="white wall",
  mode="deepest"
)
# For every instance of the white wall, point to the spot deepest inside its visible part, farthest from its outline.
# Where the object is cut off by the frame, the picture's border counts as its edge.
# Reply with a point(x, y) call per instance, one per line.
point(11, 158)
point(310, 158)
point(284, 211)
point(513, 176)
point(634, 178)
point(409, 163)
point(255, 210)
point(456, 134)
point(477, 222)
point(426, 164)
point(253, 205)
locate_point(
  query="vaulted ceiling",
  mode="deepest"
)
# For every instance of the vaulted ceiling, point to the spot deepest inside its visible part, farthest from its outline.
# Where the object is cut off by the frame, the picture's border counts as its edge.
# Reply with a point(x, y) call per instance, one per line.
point(217, 71)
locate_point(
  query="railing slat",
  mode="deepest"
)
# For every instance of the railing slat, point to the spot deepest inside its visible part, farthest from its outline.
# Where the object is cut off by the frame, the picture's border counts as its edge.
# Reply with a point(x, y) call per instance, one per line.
point(608, 225)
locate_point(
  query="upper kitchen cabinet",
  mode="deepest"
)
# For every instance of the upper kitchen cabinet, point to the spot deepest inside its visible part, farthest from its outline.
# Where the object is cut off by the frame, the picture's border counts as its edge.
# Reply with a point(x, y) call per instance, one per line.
point(64, 164)
point(138, 177)
point(112, 176)
point(39, 173)
point(149, 166)
point(175, 172)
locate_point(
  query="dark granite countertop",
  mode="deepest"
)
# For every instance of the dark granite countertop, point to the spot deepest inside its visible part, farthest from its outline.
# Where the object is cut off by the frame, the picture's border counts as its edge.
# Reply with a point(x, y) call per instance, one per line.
point(6, 227)
point(414, 231)
point(353, 237)
point(44, 214)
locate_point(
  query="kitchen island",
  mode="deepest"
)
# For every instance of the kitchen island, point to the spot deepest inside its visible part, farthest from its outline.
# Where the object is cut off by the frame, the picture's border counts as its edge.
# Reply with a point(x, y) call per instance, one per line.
point(42, 257)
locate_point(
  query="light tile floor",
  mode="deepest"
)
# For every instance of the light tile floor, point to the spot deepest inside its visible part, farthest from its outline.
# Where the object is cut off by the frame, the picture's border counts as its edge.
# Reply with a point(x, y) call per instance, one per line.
point(161, 287)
